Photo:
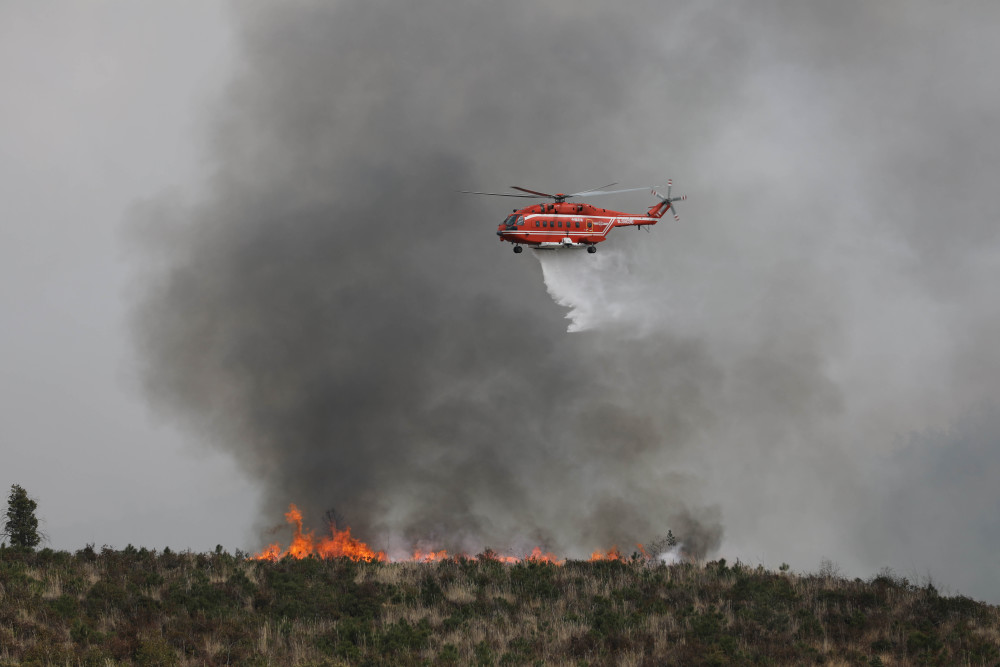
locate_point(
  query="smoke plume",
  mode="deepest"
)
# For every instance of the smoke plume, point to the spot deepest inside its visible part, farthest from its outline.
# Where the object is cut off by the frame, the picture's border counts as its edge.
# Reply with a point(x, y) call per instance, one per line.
point(345, 324)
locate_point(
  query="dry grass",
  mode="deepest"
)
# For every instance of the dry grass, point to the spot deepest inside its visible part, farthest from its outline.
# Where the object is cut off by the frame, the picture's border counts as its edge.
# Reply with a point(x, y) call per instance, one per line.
point(196, 609)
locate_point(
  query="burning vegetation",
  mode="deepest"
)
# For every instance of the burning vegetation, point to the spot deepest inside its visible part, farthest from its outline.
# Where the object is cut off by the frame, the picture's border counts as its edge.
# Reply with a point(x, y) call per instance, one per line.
point(340, 544)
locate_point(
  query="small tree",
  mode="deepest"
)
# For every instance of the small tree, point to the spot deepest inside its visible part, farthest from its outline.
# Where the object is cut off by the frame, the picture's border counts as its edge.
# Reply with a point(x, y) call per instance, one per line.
point(21, 526)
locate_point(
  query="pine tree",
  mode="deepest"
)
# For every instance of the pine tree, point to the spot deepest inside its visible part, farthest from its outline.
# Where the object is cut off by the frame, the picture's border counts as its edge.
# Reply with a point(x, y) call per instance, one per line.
point(21, 526)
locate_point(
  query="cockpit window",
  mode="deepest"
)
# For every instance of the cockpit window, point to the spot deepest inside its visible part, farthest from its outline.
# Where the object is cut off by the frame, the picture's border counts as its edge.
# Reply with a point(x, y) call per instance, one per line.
point(510, 220)
point(520, 220)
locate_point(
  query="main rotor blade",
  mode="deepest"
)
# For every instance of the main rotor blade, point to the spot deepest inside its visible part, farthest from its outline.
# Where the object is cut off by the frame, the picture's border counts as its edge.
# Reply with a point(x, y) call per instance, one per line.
point(594, 193)
point(497, 194)
point(593, 189)
point(534, 194)
point(540, 194)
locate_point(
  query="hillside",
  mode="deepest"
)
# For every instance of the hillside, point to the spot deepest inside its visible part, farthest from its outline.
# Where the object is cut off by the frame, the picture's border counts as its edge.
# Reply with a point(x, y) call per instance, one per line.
point(143, 607)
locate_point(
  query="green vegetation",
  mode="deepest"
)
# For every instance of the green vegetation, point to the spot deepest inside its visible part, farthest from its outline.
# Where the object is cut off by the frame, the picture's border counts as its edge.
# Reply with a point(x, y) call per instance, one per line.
point(135, 606)
point(21, 525)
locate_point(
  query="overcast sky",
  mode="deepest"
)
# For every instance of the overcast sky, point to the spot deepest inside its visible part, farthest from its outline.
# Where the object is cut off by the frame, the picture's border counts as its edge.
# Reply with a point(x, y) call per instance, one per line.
point(196, 316)
point(104, 104)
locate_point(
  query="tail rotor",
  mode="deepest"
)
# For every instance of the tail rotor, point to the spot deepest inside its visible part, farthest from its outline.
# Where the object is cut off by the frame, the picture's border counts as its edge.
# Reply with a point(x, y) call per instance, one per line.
point(668, 200)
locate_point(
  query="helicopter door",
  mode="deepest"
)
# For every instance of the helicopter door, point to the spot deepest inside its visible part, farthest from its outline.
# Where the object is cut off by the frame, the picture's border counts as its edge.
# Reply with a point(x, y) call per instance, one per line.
point(590, 225)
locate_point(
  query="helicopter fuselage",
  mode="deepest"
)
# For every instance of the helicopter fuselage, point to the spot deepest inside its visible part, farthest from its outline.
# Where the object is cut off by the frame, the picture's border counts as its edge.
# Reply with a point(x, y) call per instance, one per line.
point(568, 224)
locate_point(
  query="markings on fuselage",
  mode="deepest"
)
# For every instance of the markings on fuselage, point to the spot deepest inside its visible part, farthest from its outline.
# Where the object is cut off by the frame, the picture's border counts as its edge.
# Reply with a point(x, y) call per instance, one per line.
point(608, 225)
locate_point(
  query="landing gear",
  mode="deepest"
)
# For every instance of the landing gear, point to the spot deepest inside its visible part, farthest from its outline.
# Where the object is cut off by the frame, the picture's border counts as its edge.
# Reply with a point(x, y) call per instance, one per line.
point(518, 249)
point(591, 249)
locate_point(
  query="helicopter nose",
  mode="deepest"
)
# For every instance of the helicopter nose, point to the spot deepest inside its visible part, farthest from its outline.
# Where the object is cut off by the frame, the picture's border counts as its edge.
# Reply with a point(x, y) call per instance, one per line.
point(499, 232)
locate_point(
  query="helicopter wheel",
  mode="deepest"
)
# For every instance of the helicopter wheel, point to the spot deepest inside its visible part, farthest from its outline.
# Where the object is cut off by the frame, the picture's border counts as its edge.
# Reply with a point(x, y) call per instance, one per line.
point(591, 249)
point(518, 249)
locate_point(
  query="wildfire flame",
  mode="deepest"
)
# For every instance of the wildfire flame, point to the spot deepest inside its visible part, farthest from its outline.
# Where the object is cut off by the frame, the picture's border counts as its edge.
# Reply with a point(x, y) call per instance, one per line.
point(611, 554)
point(340, 544)
point(429, 556)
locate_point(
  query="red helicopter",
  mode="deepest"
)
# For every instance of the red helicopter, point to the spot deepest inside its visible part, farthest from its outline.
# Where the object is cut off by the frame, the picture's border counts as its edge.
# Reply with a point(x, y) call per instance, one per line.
point(564, 224)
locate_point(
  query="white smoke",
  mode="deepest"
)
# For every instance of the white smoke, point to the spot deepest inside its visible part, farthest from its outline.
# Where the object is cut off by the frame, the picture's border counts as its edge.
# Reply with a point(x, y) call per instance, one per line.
point(598, 289)
point(673, 555)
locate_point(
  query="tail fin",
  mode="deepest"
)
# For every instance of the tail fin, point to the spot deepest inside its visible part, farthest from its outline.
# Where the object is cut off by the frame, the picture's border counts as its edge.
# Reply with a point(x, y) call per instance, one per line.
point(665, 203)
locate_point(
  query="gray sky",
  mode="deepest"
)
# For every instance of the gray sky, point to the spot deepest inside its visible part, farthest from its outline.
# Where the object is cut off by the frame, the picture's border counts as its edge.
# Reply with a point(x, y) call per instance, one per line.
point(804, 367)
point(104, 104)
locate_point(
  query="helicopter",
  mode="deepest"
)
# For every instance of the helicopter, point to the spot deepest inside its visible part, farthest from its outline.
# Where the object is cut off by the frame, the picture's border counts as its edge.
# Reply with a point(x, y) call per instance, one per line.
point(562, 224)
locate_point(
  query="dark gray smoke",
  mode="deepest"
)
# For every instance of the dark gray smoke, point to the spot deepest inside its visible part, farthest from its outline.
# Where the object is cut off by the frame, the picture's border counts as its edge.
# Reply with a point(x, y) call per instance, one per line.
point(349, 328)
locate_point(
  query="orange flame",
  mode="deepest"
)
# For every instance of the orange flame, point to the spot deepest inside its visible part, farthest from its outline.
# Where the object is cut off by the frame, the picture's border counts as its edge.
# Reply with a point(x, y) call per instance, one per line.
point(615, 554)
point(429, 556)
point(611, 554)
point(340, 544)
point(538, 557)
